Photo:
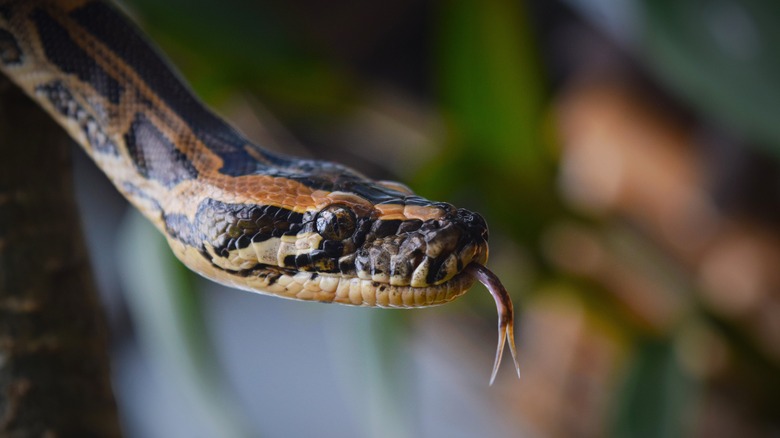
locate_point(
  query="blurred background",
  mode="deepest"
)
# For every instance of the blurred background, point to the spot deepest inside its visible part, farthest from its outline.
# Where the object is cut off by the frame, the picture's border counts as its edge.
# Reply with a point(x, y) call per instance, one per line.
point(624, 153)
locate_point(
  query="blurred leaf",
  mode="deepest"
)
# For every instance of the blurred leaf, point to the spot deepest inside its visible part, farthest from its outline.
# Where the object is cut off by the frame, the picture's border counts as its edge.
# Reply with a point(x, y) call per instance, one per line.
point(242, 44)
point(372, 349)
point(490, 83)
point(721, 56)
point(656, 395)
point(166, 311)
point(492, 99)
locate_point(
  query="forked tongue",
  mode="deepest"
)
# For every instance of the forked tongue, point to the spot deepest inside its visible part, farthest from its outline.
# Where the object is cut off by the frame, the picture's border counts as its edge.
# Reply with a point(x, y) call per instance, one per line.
point(506, 327)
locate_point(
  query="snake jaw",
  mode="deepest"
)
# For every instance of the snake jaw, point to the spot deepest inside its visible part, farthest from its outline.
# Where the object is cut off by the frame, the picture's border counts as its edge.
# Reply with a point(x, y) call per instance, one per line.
point(506, 328)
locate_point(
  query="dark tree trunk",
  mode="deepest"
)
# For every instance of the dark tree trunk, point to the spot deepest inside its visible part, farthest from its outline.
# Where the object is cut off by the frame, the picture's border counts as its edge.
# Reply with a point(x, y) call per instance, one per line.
point(54, 369)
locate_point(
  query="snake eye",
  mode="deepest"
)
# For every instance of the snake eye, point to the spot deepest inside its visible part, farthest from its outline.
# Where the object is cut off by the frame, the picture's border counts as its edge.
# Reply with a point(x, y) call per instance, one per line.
point(335, 222)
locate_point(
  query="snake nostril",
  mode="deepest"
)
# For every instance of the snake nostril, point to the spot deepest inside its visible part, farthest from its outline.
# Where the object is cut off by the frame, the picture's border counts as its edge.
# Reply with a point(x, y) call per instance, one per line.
point(473, 223)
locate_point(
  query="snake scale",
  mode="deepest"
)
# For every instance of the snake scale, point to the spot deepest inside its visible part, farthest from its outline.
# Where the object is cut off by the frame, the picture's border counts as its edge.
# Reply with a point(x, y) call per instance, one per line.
point(230, 210)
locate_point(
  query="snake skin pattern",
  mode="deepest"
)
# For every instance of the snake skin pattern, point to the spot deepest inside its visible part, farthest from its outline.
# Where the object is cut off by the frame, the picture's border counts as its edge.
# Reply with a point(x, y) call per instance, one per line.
point(230, 210)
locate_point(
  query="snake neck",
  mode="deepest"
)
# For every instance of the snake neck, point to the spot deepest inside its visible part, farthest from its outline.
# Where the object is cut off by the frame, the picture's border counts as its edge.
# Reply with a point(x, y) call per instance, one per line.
point(95, 73)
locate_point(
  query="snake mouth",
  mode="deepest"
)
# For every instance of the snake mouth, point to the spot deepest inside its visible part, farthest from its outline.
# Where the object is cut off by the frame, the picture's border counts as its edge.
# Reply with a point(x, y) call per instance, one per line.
point(414, 262)
point(367, 292)
point(430, 254)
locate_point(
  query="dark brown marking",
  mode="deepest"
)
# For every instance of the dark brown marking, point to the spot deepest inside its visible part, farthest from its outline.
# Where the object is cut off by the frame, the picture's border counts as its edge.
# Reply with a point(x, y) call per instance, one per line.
point(409, 226)
point(435, 272)
point(273, 278)
point(234, 226)
point(271, 273)
point(108, 25)
point(155, 156)
point(64, 102)
point(347, 265)
point(322, 262)
point(333, 248)
point(68, 56)
point(384, 228)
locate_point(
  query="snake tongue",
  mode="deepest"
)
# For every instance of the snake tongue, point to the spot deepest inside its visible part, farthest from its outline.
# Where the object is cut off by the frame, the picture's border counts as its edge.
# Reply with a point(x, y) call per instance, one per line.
point(506, 328)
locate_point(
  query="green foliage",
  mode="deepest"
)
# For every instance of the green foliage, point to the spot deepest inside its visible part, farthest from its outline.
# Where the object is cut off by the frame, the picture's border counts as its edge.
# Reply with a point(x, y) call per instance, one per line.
point(235, 44)
point(165, 305)
point(721, 57)
point(656, 397)
point(491, 96)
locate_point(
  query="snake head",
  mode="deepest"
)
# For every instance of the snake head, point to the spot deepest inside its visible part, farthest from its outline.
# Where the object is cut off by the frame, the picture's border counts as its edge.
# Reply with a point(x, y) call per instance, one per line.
point(426, 249)
point(398, 238)
point(402, 251)
point(366, 243)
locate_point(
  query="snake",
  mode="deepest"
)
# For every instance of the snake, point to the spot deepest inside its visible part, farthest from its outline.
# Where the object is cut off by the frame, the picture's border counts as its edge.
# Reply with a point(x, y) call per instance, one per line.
point(229, 209)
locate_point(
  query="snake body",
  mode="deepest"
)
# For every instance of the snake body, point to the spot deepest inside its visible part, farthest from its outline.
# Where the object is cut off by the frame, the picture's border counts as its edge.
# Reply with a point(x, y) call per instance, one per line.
point(230, 210)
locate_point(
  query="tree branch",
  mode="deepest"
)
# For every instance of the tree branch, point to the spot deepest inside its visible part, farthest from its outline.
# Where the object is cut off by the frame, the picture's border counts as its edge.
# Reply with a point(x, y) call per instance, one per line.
point(54, 369)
